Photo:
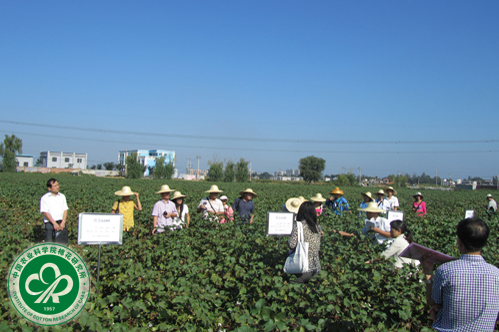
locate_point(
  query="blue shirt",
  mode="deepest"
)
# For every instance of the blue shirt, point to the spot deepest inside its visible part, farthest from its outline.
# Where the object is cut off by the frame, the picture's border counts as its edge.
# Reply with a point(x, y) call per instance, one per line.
point(338, 205)
point(468, 289)
point(245, 209)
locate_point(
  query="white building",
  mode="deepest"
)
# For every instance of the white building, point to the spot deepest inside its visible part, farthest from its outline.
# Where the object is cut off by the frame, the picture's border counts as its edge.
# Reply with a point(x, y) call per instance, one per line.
point(24, 160)
point(147, 158)
point(59, 159)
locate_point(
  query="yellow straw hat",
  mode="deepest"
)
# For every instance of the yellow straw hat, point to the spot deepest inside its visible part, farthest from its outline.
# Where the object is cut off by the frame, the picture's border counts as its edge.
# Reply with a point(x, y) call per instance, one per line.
point(336, 191)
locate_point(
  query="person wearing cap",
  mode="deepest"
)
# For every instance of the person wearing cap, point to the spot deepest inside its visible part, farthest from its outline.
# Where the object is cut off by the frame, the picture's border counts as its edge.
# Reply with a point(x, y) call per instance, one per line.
point(337, 202)
point(367, 198)
point(126, 206)
point(380, 199)
point(419, 206)
point(163, 211)
point(245, 206)
point(492, 205)
point(228, 211)
point(182, 210)
point(382, 230)
point(211, 205)
point(391, 203)
point(318, 200)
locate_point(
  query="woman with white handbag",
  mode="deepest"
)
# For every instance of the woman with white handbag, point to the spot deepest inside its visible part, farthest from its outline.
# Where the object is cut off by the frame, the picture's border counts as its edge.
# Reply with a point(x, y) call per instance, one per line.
point(306, 240)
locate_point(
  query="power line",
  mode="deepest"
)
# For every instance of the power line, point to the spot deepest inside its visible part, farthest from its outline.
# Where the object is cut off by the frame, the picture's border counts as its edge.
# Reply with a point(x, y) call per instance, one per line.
point(174, 146)
point(246, 139)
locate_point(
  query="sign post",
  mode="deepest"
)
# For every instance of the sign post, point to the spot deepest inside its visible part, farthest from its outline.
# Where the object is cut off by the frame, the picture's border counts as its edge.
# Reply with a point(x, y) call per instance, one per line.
point(99, 229)
point(279, 224)
point(395, 215)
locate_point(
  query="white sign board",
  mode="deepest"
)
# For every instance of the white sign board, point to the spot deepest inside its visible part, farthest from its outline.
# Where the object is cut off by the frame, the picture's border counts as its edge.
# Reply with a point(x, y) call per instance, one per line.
point(469, 214)
point(100, 228)
point(279, 223)
point(395, 215)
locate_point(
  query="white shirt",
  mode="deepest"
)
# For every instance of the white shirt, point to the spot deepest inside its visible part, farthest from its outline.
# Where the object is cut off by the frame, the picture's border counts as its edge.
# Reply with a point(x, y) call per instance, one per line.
point(389, 204)
point(55, 205)
point(493, 205)
point(399, 245)
point(382, 224)
point(211, 206)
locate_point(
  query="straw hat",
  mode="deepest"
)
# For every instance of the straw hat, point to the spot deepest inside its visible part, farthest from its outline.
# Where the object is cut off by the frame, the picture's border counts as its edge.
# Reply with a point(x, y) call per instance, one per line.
point(223, 198)
point(176, 195)
point(248, 191)
point(164, 189)
point(418, 194)
point(125, 191)
point(317, 198)
point(214, 189)
point(488, 196)
point(293, 204)
point(380, 192)
point(391, 188)
point(372, 207)
point(336, 191)
point(368, 194)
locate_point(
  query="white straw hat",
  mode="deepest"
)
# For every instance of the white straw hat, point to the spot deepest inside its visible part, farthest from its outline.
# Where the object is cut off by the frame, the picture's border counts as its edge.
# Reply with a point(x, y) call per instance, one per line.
point(380, 192)
point(368, 194)
point(176, 195)
point(293, 204)
point(125, 191)
point(317, 198)
point(248, 191)
point(214, 189)
point(391, 188)
point(418, 194)
point(164, 189)
point(372, 207)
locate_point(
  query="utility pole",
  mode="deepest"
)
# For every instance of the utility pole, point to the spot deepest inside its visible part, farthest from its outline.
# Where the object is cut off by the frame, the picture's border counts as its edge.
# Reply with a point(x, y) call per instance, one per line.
point(343, 168)
point(198, 157)
point(360, 175)
point(436, 176)
point(250, 169)
point(187, 165)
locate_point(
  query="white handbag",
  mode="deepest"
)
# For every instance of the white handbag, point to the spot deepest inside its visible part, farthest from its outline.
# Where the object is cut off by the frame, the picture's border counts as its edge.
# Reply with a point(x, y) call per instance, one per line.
point(298, 261)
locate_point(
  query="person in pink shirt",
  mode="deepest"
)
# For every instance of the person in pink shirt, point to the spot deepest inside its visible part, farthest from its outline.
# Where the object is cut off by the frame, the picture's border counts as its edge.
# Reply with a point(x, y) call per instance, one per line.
point(228, 211)
point(419, 206)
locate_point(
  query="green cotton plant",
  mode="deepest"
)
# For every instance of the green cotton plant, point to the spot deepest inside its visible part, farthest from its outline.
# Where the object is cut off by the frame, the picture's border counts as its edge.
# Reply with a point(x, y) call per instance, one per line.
point(216, 277)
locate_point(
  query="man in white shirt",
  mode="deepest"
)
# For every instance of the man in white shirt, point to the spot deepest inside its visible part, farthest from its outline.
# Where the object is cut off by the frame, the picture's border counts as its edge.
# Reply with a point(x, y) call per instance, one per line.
point(492, 204)
point(391, 203)
point(54, 208)
point(211, 206)
point(381, 226)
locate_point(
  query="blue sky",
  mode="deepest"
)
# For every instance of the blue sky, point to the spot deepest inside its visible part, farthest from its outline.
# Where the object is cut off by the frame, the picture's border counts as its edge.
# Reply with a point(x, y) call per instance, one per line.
point(388, 86)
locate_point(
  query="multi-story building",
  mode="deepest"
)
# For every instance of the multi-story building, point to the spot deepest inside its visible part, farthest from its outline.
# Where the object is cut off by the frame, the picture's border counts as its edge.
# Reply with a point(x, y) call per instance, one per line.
point(146, 157)
point(24, 160)
point(59, 159)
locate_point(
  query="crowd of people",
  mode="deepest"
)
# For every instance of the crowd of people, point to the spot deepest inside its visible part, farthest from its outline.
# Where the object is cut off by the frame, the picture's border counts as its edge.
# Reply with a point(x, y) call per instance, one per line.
point(464, 294)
